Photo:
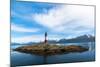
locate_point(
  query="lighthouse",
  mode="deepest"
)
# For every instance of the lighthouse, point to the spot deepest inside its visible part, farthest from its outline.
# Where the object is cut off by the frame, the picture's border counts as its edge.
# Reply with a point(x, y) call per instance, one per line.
point(45, 41)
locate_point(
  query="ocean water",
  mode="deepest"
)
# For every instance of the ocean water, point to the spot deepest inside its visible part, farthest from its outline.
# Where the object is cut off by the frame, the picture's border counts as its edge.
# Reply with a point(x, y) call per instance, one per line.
point(23, 59)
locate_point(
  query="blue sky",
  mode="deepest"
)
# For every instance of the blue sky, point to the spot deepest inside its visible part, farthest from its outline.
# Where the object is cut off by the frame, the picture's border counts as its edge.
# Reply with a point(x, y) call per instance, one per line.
point(29, 21)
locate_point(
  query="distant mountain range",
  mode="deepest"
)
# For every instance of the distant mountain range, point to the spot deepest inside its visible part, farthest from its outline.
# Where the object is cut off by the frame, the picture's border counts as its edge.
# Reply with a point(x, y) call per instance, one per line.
point(83, 38)
point(15, 44)
point(29, 43)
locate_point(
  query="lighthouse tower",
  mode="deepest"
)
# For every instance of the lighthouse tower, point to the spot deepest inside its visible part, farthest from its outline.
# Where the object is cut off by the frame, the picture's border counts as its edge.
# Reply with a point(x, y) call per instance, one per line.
point(45, 41)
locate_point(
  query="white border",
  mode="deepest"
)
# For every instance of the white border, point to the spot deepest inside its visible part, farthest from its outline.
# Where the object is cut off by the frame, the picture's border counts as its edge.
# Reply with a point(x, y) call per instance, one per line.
point(4, 33)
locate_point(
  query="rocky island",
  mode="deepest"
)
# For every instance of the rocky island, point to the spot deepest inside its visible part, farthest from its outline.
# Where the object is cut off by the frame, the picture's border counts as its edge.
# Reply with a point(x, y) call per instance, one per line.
point(46, 49)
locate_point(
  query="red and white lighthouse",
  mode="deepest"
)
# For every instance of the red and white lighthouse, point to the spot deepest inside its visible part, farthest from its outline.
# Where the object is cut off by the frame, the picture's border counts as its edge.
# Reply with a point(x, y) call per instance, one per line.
point(45, 41)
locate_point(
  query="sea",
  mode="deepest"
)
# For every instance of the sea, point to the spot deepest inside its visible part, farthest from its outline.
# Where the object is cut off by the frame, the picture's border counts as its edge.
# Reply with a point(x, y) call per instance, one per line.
point(24, 59)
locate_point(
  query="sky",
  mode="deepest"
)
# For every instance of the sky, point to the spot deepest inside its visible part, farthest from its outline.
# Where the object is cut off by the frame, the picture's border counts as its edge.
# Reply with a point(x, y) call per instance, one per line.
point(30, 20)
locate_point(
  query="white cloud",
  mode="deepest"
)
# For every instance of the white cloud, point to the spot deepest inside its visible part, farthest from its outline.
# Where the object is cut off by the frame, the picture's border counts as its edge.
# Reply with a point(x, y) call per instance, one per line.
point(26, 16)
point(18, 28)
point(67, 17)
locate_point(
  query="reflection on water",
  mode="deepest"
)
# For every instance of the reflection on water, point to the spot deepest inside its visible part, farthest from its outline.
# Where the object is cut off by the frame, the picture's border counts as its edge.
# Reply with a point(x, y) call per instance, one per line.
point(72, 57)
point(20, 59)
point(25, 59)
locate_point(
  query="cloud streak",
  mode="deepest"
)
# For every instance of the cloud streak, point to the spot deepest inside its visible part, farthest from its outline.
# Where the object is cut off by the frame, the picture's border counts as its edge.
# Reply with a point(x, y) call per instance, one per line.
point(26, 39)
point(17, 28)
